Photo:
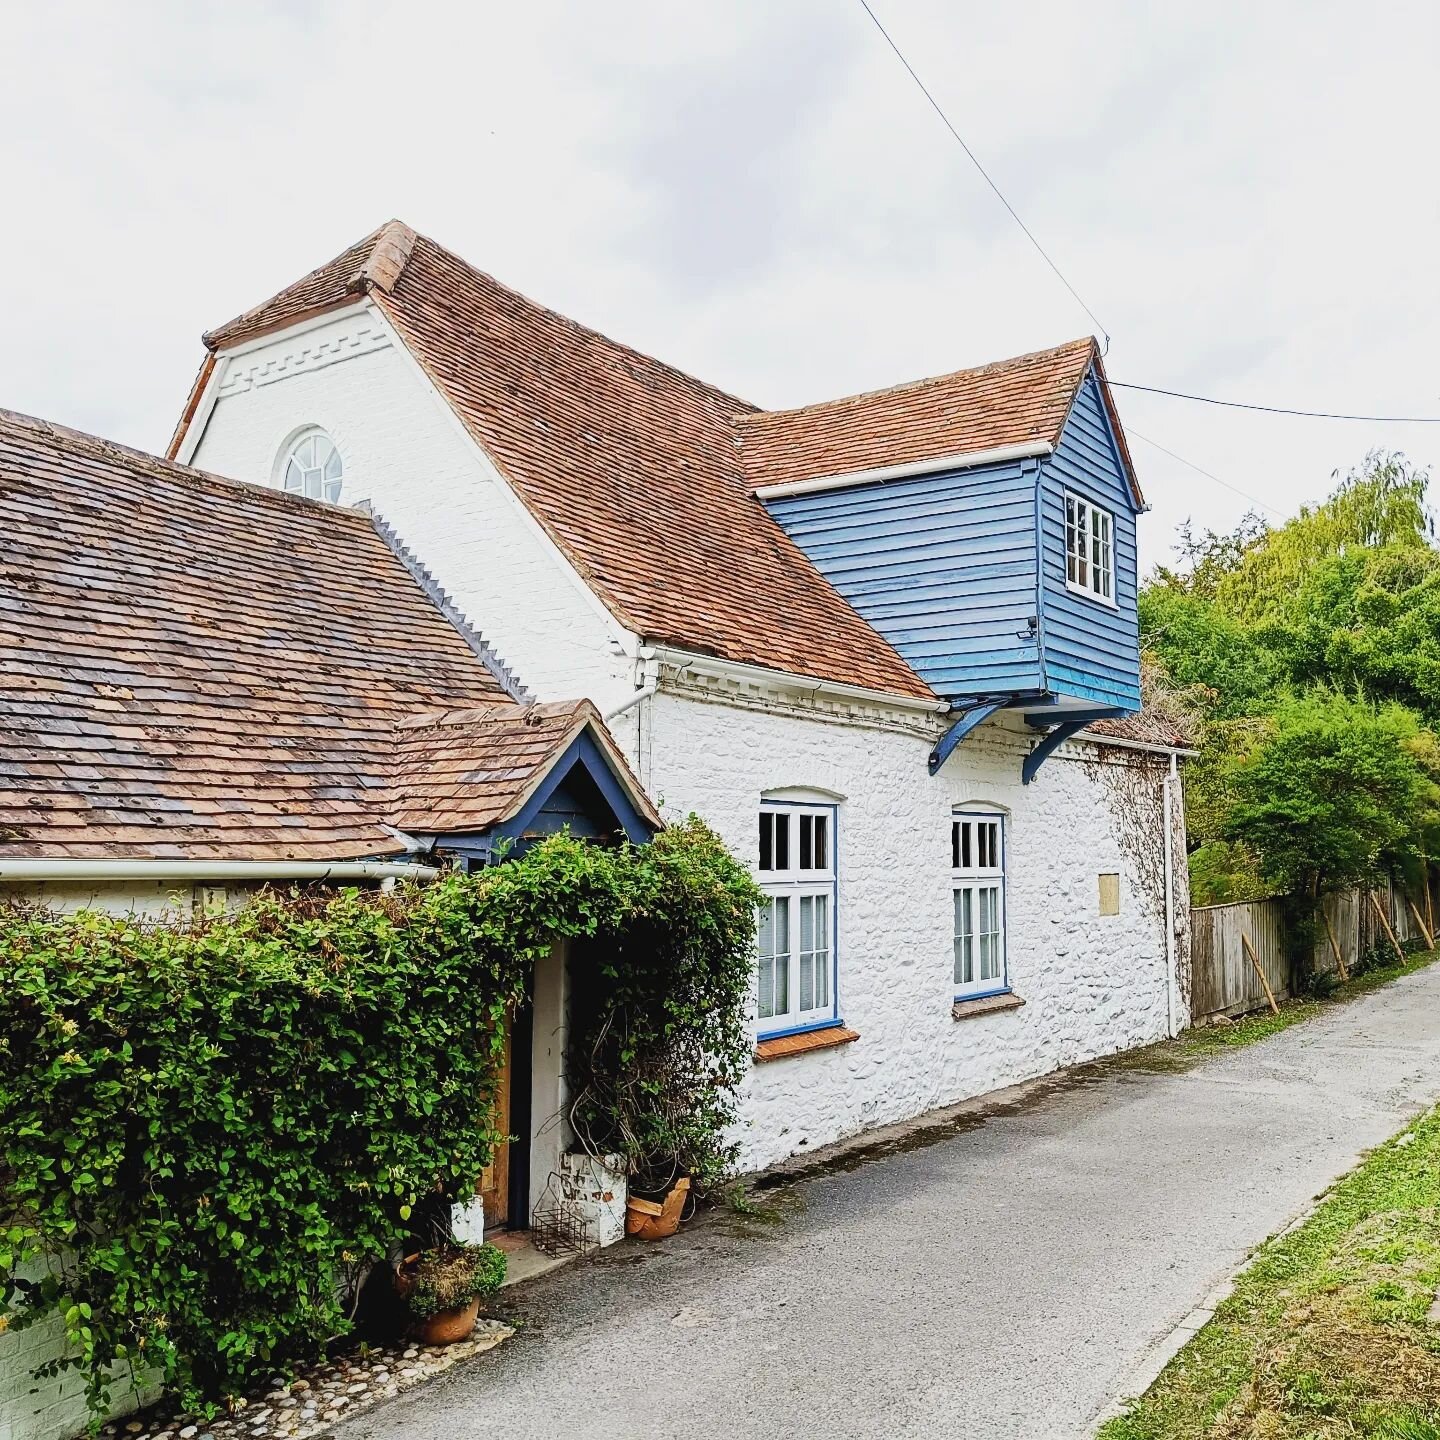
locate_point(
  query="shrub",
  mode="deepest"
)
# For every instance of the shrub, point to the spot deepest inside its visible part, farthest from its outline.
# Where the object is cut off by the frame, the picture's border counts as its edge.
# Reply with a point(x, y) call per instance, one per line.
point(212, 1131)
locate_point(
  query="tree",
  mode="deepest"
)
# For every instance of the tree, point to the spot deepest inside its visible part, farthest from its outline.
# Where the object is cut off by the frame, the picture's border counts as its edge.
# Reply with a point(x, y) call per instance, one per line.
point(1337, 792)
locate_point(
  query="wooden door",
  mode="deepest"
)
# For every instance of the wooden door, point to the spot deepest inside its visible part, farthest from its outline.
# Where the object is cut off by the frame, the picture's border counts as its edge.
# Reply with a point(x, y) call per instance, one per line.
point(495, 1182)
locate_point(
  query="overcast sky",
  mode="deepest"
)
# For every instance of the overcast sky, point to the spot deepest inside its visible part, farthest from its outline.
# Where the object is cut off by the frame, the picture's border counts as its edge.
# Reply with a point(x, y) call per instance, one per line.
point(1247, 195)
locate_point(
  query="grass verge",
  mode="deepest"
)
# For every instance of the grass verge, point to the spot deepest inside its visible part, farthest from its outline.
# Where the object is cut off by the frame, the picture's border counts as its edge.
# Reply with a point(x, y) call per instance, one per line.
point(1327, 1333)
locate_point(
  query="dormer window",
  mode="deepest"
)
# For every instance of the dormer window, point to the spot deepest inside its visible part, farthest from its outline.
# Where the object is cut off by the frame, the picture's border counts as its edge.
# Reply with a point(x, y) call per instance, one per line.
point(1089, 549)
point(312, 467)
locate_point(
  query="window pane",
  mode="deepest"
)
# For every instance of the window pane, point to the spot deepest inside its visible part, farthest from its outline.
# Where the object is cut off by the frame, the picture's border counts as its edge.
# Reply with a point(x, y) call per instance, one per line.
point(332, 466)
point(955, 845)
point(782, 955)
point(765, 943)
point(807, 827)
point(782, 841)
point(822, 951)
point(305, 454)
point(767, 833)
point(965, 830)
point(807, 950)
point(964, 938)
point(822, 842)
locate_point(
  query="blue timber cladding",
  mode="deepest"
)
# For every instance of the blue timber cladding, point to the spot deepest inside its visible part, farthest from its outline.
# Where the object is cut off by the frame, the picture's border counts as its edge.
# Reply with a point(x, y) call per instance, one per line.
point(943, 566)
point(1092, 650)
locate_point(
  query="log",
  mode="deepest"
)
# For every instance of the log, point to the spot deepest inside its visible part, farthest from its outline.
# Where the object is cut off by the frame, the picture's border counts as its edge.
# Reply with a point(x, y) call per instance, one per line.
point(1259, 970)
point(1419, 920)
point(1334, 946)
point(1385, 921)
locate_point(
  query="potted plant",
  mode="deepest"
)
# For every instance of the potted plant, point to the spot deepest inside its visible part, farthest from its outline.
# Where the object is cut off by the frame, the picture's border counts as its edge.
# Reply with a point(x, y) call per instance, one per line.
point(659, 1218)
point(442, 1289)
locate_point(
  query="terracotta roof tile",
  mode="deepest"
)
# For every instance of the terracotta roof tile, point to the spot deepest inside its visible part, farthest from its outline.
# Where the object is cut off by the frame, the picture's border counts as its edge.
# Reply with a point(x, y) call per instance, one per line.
point(643, 475)
point(195, 668)
point(631, 467)
point(470, 769)
point(1011, 402)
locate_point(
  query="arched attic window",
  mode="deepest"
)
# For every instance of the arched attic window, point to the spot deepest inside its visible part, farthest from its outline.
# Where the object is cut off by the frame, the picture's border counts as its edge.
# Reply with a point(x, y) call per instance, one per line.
point(311, 466)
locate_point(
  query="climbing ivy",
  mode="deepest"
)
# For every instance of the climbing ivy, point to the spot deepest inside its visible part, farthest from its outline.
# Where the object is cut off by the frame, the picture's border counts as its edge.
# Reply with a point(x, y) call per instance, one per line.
point(213, 1130)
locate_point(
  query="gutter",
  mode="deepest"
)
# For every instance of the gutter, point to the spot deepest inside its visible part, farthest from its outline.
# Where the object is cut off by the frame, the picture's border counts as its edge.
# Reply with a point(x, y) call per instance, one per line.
point(258, 870)
point(936, 464)
point(1150, 746)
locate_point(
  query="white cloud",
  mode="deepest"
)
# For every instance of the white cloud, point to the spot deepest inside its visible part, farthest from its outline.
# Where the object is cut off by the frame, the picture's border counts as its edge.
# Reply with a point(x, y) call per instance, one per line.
point(1245, 194)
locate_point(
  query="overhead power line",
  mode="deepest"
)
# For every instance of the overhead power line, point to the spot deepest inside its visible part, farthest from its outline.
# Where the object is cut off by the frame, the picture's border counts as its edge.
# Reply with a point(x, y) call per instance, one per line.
point(1276, 409)
point(985, 174)
point(1200, 470)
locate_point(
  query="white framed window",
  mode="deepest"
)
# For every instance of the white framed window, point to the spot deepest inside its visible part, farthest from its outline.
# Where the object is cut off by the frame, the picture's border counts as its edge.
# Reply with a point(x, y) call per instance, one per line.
point(1089, 549)
point(312, 467)
point(795, 971)
point(977, 882)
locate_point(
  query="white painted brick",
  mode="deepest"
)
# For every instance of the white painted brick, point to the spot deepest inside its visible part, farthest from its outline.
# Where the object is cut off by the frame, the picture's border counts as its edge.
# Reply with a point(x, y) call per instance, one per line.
point(1093, 985)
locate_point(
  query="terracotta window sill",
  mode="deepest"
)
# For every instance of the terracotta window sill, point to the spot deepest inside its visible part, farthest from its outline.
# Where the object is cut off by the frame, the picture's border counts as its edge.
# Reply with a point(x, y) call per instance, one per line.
point(988, 1005)
point(784, 1045)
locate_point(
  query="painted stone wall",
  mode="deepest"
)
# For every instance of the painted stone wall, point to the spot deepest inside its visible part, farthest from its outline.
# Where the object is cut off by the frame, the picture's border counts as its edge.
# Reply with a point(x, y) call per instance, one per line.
point(1092, 984)
point(405, 454)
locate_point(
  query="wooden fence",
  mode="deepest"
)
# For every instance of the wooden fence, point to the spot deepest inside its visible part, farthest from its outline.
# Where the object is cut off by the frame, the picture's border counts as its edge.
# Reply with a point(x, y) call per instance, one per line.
point(1223, 982)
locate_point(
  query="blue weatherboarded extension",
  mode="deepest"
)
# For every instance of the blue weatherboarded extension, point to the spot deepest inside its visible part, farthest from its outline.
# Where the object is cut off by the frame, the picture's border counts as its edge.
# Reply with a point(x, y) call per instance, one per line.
point(1092, 650)
point(963, 571)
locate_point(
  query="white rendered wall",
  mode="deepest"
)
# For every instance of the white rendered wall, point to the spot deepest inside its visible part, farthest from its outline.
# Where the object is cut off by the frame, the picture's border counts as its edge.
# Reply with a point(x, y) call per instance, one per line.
point(1092, 984)
point(405, 454)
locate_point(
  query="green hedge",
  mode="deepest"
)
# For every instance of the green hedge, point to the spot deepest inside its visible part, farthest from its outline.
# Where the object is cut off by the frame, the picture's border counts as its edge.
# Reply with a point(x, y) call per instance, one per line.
point(210, 1132)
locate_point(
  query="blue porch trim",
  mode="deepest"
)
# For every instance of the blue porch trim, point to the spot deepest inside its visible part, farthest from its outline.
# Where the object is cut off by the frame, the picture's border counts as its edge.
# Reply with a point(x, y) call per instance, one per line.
point(478, 848)
point(584, 752)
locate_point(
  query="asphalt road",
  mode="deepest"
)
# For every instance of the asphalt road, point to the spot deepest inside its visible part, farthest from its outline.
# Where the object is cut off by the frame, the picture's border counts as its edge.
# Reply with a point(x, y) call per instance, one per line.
point(1001, 1277)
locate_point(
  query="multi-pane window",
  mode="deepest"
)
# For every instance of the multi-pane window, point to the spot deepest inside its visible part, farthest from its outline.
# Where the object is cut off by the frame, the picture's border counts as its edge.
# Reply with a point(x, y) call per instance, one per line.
point(977, 870)
point(313, 467)
point(796, 971)
point(1089, 549)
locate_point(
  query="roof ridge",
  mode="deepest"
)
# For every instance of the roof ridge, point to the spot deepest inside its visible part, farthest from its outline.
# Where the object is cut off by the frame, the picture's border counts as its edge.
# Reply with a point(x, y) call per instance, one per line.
point(504, 676)
point(131, 455)
point(979, 371)
point(387, 259)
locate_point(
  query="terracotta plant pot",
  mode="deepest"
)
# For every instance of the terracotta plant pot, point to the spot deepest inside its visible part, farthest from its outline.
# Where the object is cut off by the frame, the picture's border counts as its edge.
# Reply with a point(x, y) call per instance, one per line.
point(448, 1326)
point(656, 1220)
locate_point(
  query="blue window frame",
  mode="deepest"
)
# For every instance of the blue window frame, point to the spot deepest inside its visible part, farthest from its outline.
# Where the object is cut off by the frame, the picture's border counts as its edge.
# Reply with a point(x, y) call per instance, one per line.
point(977, 883)
point(796, 973)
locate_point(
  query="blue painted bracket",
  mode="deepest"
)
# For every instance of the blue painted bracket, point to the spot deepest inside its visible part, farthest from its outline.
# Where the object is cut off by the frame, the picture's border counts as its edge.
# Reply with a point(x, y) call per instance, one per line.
point(977, 714)
point(1052, 742)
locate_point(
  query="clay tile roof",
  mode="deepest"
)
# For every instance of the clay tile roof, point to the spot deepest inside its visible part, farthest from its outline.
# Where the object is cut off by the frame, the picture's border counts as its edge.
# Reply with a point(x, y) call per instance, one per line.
point(193, 668)
point(631, 467)
point(470, 769)
point(1149, 727)
point(1012, 402)
point(373, 263)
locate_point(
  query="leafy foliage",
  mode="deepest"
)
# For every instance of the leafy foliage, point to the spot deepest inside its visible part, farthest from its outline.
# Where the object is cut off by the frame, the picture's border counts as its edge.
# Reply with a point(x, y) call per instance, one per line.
point(1337, 789)
point(1311, 656)
point(212, 1131)
point(661, 1037)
